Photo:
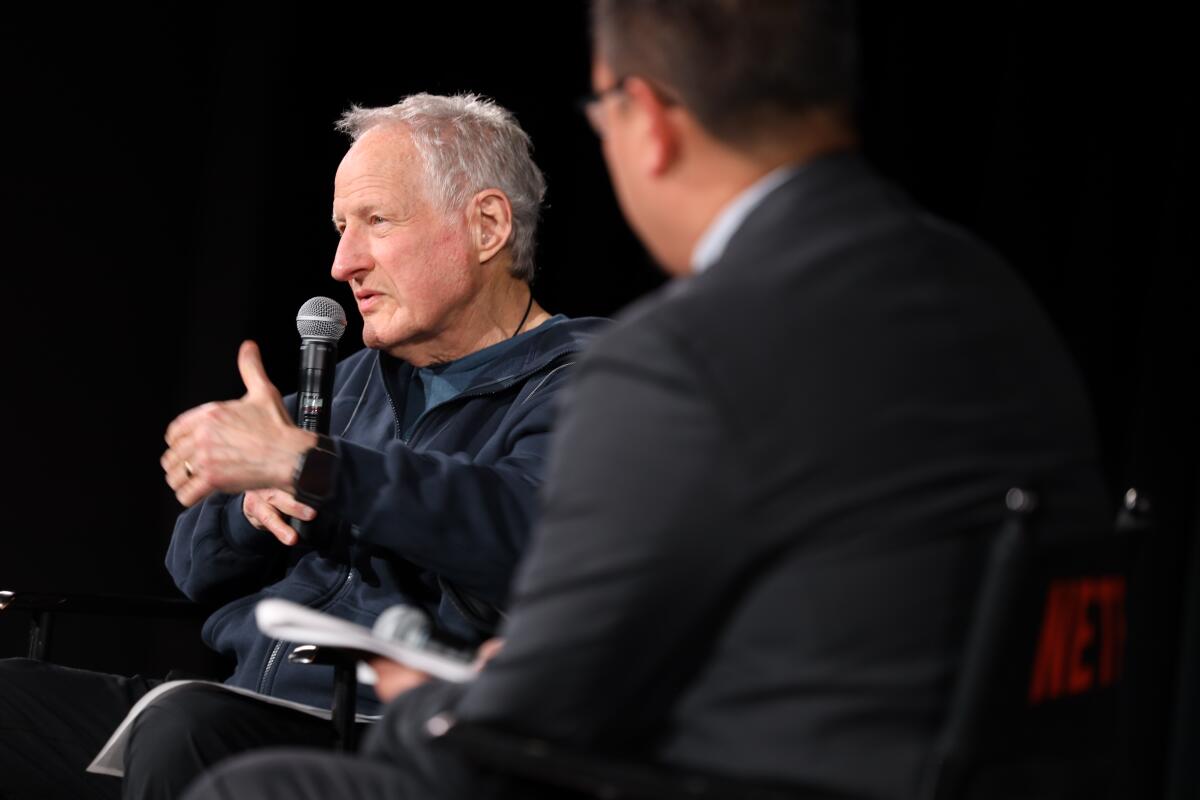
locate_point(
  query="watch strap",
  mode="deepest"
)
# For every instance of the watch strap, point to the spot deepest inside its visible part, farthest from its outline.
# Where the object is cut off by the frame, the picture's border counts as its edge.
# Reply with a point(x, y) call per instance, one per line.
point(315, 475)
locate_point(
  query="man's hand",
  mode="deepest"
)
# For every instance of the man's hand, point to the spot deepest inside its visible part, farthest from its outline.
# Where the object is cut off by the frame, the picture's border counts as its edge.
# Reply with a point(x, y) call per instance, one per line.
point(236, 445)
point(393, 678)
point(264, 508)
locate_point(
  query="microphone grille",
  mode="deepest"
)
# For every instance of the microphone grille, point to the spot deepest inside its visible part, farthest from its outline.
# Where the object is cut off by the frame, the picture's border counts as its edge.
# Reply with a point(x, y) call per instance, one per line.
point(321, 318)
point(404, 625)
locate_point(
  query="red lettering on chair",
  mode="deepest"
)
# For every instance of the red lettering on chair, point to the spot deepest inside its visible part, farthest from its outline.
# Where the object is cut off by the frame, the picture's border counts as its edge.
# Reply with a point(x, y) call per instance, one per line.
point(1051, 653)
point(1066, 661)
point(1080, 673)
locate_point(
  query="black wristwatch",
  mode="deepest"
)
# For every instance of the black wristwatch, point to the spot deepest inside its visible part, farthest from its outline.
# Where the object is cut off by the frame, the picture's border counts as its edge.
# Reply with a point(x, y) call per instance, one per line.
point(315, 476)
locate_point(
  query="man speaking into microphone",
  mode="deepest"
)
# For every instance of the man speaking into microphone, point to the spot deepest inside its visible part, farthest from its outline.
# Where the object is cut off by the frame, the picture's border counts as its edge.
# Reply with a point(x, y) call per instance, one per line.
point(424, 489)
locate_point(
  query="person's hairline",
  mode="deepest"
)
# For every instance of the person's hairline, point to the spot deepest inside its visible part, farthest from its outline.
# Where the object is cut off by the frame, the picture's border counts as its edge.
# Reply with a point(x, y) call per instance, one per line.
point(488, 152)
point(765, 126)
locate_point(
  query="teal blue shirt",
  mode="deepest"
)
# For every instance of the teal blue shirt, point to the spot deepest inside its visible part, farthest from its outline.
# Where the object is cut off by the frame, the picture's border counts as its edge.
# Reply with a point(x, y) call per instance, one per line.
point(416, 390)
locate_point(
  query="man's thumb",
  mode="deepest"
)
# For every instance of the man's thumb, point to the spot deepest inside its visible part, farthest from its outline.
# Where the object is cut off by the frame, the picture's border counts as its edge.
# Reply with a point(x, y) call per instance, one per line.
point(254, 375)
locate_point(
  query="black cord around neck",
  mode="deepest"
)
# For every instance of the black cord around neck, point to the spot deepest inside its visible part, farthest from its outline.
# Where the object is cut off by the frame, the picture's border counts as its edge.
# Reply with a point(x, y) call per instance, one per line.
point(521, 324)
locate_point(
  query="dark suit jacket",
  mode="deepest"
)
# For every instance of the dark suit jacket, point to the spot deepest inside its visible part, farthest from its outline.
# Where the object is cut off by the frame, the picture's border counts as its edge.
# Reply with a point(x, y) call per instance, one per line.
point(770, 490)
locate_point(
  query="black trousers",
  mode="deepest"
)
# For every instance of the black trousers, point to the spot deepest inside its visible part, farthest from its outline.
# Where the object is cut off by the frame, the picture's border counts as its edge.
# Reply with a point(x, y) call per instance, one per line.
point(398, 761)
point(53, 721)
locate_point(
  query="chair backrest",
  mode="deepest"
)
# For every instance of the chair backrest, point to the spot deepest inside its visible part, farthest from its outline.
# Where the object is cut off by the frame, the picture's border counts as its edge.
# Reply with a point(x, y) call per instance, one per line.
point(1037, 710)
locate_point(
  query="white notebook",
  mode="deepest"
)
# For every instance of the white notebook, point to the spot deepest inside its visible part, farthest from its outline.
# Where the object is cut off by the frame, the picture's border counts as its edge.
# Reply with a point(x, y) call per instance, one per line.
point(111, 758)
point(292, 622)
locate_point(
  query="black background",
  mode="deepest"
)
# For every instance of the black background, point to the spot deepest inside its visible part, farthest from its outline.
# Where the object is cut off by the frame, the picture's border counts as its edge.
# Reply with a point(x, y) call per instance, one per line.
point(167, 183)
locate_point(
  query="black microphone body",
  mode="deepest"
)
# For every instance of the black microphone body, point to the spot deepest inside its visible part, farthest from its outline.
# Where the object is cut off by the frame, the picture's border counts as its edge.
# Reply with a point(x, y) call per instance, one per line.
point(321, 322)
point(317, 360)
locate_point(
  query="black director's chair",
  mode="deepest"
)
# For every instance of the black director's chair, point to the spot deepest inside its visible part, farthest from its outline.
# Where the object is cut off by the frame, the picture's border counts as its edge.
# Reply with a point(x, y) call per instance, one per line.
point(1036, 713)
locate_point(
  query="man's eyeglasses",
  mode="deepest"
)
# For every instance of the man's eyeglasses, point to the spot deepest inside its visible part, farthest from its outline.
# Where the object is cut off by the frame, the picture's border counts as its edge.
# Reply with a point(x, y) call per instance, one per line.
point(592, 105)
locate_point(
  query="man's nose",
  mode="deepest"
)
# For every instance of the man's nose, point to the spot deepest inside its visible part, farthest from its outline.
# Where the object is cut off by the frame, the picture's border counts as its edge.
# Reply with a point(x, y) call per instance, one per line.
point(352, 255)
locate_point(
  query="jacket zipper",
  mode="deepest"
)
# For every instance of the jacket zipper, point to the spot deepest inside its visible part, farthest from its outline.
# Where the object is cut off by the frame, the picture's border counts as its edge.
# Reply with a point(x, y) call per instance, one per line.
point(277, 646)
point(396, 432)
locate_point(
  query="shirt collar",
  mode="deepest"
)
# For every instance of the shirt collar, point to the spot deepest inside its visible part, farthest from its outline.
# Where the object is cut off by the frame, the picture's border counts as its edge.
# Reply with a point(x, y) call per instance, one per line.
point(711, 244)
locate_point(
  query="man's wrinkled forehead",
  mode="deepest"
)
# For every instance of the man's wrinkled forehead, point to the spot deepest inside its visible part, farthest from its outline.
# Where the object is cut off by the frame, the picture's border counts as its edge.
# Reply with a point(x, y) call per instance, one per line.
point(383, 159)
point(386, 148)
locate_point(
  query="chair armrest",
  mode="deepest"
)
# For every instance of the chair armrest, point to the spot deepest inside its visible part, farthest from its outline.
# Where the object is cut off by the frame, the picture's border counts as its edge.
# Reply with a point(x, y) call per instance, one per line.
point(42, 606)
point(101, 604)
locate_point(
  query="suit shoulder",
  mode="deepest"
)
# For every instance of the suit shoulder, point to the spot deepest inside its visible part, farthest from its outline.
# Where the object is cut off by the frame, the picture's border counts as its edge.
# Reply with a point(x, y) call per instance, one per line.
point(650, 338)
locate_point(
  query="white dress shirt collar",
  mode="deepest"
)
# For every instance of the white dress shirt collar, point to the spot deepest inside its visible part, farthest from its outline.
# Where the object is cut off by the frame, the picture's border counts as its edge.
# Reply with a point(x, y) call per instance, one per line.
point(711, 244)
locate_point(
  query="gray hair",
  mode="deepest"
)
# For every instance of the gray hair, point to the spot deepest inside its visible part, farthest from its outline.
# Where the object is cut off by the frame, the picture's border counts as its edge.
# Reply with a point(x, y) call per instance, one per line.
point(468, 143)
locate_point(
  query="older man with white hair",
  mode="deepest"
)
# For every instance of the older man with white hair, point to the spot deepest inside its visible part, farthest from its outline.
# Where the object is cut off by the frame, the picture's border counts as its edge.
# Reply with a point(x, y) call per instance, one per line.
point(427, 483)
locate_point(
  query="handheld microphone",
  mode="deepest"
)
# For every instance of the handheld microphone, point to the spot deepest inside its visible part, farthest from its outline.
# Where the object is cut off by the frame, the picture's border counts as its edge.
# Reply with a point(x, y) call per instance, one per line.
point(321, 323)
point(411, 627)
point(403, 624)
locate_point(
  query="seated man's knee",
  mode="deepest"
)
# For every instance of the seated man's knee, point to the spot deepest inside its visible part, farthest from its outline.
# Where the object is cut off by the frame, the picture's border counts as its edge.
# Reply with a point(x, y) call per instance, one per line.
point(183, 730)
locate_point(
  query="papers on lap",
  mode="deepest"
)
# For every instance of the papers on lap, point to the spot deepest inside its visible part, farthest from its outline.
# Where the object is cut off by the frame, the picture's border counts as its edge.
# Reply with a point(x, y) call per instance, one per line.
point(111, 758)
point(292, 622)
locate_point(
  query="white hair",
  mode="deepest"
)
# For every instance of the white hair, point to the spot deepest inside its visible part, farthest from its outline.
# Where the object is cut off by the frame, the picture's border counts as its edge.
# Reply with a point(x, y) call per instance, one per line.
point(468, 143)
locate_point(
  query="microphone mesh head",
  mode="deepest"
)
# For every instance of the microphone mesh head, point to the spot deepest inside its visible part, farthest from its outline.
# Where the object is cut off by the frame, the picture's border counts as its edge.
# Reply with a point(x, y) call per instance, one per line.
point(321, 318)
point(403, 624)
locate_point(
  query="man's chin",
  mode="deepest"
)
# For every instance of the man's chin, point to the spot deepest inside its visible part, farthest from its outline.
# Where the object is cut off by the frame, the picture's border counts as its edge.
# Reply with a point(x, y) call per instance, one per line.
point(371, 340)
point(376, 342)
point(372, 331)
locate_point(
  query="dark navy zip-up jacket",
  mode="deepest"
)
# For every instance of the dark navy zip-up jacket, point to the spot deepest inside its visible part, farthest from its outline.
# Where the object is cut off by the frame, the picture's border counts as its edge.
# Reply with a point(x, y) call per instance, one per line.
point(438, 521)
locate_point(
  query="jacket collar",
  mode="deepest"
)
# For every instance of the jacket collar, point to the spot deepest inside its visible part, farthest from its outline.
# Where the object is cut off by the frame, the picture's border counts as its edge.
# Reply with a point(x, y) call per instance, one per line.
point(545, 345)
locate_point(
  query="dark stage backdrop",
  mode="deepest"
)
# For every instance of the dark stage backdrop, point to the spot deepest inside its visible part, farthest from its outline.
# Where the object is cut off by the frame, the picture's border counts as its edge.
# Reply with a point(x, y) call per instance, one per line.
point(167, 182)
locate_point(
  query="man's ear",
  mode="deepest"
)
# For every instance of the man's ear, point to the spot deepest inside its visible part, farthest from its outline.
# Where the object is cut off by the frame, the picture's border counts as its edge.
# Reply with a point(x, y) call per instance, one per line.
point(491, 223)
point(657, 127)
